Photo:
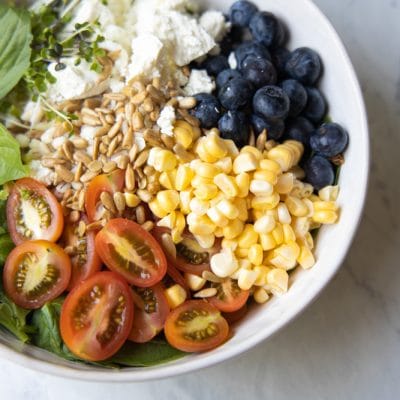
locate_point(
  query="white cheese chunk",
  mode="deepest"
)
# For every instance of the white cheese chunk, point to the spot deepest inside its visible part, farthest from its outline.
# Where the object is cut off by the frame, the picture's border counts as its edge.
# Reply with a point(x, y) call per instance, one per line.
point(166, 120)
point(199, 82)
point(213, 22)
point(40, 173)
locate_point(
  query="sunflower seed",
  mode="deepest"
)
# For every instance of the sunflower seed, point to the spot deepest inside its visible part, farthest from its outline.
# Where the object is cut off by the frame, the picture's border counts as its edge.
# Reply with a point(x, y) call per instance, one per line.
point(129, 178)
point(119, 201)
point(168, 244)
point(209, 292)
point(148, 226)
point(95, 166)
point(64, 173)
point(187, 103)
point(141, 159)
point(209, 276)
point(109, 167)
point(108, 202)
point(140, 215)
point(115, 129)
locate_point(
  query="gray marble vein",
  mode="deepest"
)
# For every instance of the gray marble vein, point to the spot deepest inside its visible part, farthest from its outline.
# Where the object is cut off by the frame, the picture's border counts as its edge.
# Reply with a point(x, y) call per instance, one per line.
point(347, 344)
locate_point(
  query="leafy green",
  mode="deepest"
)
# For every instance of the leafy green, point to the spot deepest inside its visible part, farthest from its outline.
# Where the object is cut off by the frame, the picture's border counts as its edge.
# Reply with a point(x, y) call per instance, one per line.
point(11, 166)
point(15, 48)
point(158, 351)
point(14, 318)
point(47, 336)
point(6, 245)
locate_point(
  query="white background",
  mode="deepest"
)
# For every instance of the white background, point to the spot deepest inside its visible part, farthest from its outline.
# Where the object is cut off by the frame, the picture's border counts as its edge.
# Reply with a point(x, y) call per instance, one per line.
point(347, 344)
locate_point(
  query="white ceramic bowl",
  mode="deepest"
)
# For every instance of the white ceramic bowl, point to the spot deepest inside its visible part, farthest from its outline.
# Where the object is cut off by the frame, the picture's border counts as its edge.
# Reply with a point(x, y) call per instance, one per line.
point(308, 27)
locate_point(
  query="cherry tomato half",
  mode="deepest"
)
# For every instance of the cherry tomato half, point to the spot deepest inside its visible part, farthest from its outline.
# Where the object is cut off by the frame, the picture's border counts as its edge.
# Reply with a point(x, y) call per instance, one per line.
point(151, 311)
point(96, 316)
point(36, 272)
point(84, 259)
point(196, 326)
point(229, 297)
point(110, 183)
point(126, 248)
point(33, 212)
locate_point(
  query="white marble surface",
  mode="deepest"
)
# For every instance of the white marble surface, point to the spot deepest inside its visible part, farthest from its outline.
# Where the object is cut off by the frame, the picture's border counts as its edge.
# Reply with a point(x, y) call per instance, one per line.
point(347, 344)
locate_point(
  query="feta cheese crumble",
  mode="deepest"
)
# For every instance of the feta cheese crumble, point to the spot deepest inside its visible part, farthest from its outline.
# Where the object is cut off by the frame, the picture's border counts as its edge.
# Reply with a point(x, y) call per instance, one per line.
point(213, 22)
point(166, 120)
point(199, 82)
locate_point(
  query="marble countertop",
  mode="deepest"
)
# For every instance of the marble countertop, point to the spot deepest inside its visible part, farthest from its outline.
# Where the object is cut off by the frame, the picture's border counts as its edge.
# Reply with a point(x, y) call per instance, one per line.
point(347, 344)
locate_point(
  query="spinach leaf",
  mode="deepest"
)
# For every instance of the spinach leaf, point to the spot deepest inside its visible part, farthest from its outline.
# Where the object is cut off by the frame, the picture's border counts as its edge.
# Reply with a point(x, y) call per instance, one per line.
point(47, 335)
point(13, 318)
point(11, 166)
point(158, 351)
point(6, 245)
point(15, 51)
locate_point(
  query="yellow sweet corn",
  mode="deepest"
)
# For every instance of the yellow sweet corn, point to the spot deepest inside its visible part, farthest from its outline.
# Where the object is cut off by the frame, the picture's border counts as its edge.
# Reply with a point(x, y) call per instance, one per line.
point(168, 200)
point(265, 224)
point(157, 210)
point(325, 217)
point(228, 209)
point(229, 244)
point(278, 281)
point(184, 176)
point(176, 295)
point(217, 217)
point(199, 181)
point(243, 184)
point(205, 241)
point(207, 170)
point(246, 278)
point(248, 237)
point(194, 282)
point(270, 165)
point(306, 258)
point(283, 156)
point(265, 175)
point(283, 214)
point(255, 254)
point(253, 150)
point(225, 165)
point(329, 193)
point(185, 199)
point(183, 134)
point(241, 253)
point(168, 179)
point(285, 183)
point(233, 229)
point(241, 205)
point(260, 296)
point(285, 256)
point(131, 200)
point(202, 225)
point(177, 230)
point(267, 241)
point(168, 221)
point(277, 233)
point(288, 233)
point(296, 206)
point(164, 160)
point(215, 146)
point(265, 202)
point(245, 162)
point(206, 191)
point(199, 207)
point(262, 273)
point(261, 188)
point(227, 184)
point(203, 153)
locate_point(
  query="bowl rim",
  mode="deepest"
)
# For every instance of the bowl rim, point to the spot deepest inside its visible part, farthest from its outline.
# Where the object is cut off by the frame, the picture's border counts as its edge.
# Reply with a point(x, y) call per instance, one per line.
point(170, 370)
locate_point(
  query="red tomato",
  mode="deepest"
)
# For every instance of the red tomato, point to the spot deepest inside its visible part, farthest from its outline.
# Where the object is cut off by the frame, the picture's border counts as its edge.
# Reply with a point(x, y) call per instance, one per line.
point(33, 212)
point(110, 183)
point(85, 261)
point(151, 311)
point(36, 272)
point(196, 326)
point(126, 248)
point(190, 257)
point(96, 316)
point(235, 316)
point(229, 296)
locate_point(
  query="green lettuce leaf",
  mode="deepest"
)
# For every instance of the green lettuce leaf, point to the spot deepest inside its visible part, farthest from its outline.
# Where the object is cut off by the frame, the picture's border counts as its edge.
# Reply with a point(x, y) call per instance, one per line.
point(11, 166)
point(15, 51)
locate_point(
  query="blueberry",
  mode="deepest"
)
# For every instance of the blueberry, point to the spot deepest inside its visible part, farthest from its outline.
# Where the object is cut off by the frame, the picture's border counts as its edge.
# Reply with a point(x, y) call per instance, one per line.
point(275, 127)
point(215, 64)
point(258, 71)
point(235, 94)
point(297, 96)
point(329, 140)
point(241, 12)
point(315, 109)
point(299, 129)
point(279, 58)
point(227, 75)
point(234, 125)
point(304, 65)
point(271, 102)
point(267, 29)
point(207, 110)
point(319, 172)
point(253, 49)
point(231, 40)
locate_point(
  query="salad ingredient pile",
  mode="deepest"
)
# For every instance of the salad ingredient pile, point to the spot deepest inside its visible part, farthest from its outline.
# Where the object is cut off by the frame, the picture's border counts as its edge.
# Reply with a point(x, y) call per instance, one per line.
point(162, 169)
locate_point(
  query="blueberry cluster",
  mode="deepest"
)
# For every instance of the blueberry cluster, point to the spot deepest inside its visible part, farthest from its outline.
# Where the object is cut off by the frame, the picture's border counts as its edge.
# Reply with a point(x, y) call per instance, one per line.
point(272, 88)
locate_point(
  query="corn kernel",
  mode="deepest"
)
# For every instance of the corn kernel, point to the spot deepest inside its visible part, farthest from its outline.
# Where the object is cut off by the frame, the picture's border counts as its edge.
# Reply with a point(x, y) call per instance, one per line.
point(157, 210)
point(325, 217)
point(207, 170)
point(233, 151)
point(268, 176)
point(308, 240)
point(241, 205)
point(285, 256)
point(260, 296)
point(168, 221)
point(244, 263)
point(215, 146)
point(310, 206)
point(183, 136)
point(265, 224)
point(246, 278)
point(233, 229)
point(194, 282)
point(277, 233)
point(229, 244)
point(184, 176)
point(199, 181)
point(217, 217)
point(267, 241)
point(180, 225)
point(256, 254)
point(168, 200)
point(262, 273)
point(270, 165)
point(283, 214)
point(278, 281)
point(227, 184)
point(306, 258)
point(243, 183)
point(202, 151)
point(283, 156)
point(296, 206)
point(224, 263)
point(261, 188)
point(288, 233)
point(307, 191)
point(285, 183)
point(219, 233)
point(199, 207)
point(248, 237)
point(329, 193)
point(164, 160)
point(265, 202)
point(205, 241)
point(176, 295)
point(297, 147)
point(298, 172)
point(241, 252)
point(201, 226)
point(225, 165)
point(301, 226)
point(245, 162)
point(131, 200)
point(185, 198)
point(206, 191)
point(325, 206)
point(228, 209)
point(253, 150)
point(167, 179)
